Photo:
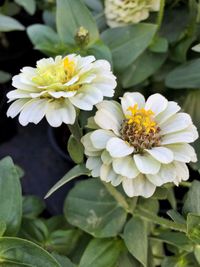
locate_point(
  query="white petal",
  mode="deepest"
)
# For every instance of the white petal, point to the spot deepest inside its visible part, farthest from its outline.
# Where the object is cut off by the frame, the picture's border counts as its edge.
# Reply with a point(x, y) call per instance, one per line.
point(106, 84)
point(139, 186)
point(100, 138)
point(183, 152)
point(17, 83)
point(59, 112)
point(130, 99)
point(16, 107)
point(146, 164)
point(188, 135)
point(90, 150)
point(94, 164)
point(176, 123)
point(118, 148)
point(62, 94)
point(182, 172)
point(106, 158)
point(157, 103)
point(125, 167)
point(172, 108)
point(87, 97)
point(107, 174)
point(109, 116)
point(162, 154)
point(15, 94)
point(166, 174)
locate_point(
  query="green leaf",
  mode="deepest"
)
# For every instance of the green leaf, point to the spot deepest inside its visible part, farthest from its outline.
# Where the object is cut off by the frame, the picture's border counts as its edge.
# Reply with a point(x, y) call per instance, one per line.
point(8, 24)
point(46, 40)
point(29, 6)
point(2, 228)
point(192, 200)
point(126, 260)
point(197, 253)
point(99, 213)
point(62, 260)
point(10, 196)
point(18, 252)
point(185, 76)
point(4, 76)
point(128, 43)
point(100, 51)
point(75, 172)
point(33, 206)
point(101, 253)
point(176, 217)
point(193, 227)
point(159, 45)
point(68, 22)
point(141, 69)
point(75, 149)
point(135, 237)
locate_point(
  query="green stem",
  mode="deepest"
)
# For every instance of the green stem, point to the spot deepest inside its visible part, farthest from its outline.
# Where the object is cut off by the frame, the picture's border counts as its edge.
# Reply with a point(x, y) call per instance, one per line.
point(117, 196)
point(75, 130)
point(186, 184)
point(160, 14)
point(161, 221)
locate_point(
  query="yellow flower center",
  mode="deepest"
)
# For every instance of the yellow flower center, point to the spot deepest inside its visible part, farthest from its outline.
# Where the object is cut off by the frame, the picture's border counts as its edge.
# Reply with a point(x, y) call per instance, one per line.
point(140, 130)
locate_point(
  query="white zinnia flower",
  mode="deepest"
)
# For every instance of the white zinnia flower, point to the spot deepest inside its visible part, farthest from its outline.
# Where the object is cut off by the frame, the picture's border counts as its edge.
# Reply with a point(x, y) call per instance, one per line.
point(57, 86)
point(123, 12)
point(140, 144)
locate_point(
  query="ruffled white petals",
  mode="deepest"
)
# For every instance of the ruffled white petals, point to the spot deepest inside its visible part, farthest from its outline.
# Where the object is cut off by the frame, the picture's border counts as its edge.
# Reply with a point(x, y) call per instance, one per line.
point(94, 164)
point(16, 107)
point(87, 97)
point(58, 112)
point(26, 85)
point(100, 138)
point(90, 150)
point(125, 167)
point(109, 116)
point(182, 172)
point(146, 164)
point(178, 122)
point(157, 103)
point(172, 108)
point(130, 99)
point(161, 154)
point(118, 148)
point(166, 174)
point(108, 175)
point(106, 158)
point(183, 152)
point(15, 94)
point(140, 186)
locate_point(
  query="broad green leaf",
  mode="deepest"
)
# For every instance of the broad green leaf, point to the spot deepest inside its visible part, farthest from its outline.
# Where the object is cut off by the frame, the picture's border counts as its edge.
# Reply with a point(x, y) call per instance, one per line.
point(128, 43)
point(144, 66)
point(197, 253)
point(176, 217)
point(16, 252)
point(46, 40)
point(69, 19)
point(185, 76)
point(95, 5)
point(100, 51)
point(135, 237)
point(63, 260)
point(2, 228)
point(8, 24)
point(171, 262)
point(29, 6)
point(101, 253)
point(4, 76)
point(75, 149)
point(10, 196)
point(127, 260)
point(193, 227)
point(33, 206)
point(20, 171)
point(192, 201)
point(75, 172)
point(159, 45)
point(99, 213)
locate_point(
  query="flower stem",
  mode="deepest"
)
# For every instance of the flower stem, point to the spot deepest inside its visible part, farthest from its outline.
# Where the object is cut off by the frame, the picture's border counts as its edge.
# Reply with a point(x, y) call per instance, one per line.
point(76, 130)
point(117, 196)
point(186, 184)
point(160, 14)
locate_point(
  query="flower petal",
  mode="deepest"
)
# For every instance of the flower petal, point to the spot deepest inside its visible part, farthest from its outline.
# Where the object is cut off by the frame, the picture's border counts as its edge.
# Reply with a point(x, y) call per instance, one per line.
point(106, 158)
point(161, 154)
point(140, 186)
point(125, 167)
point(130, 99)
point(157, 103)
point(94, 164)
point(100, 138)
point(172, 108)
point(146, 164)
point(16, 107)
point(183, 152)
point(166, 174)
point(109, 116)
point(108, 175)
point(90, 150)
point(118, 148)
point(182, 172)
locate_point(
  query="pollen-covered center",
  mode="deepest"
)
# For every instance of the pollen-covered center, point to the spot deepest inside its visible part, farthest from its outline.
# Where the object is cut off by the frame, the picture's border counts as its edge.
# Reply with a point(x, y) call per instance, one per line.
point(56, 74)
point(140, 130)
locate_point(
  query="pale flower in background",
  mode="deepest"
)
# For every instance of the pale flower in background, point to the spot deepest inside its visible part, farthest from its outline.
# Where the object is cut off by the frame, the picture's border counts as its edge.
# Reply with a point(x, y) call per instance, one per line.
point(56, 87)
point(141, 144)
point(122, 12)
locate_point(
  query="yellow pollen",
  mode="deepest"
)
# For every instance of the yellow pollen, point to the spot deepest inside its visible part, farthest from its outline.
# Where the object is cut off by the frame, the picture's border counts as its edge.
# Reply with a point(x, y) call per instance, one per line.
point(69, 67)
point(142, 119)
